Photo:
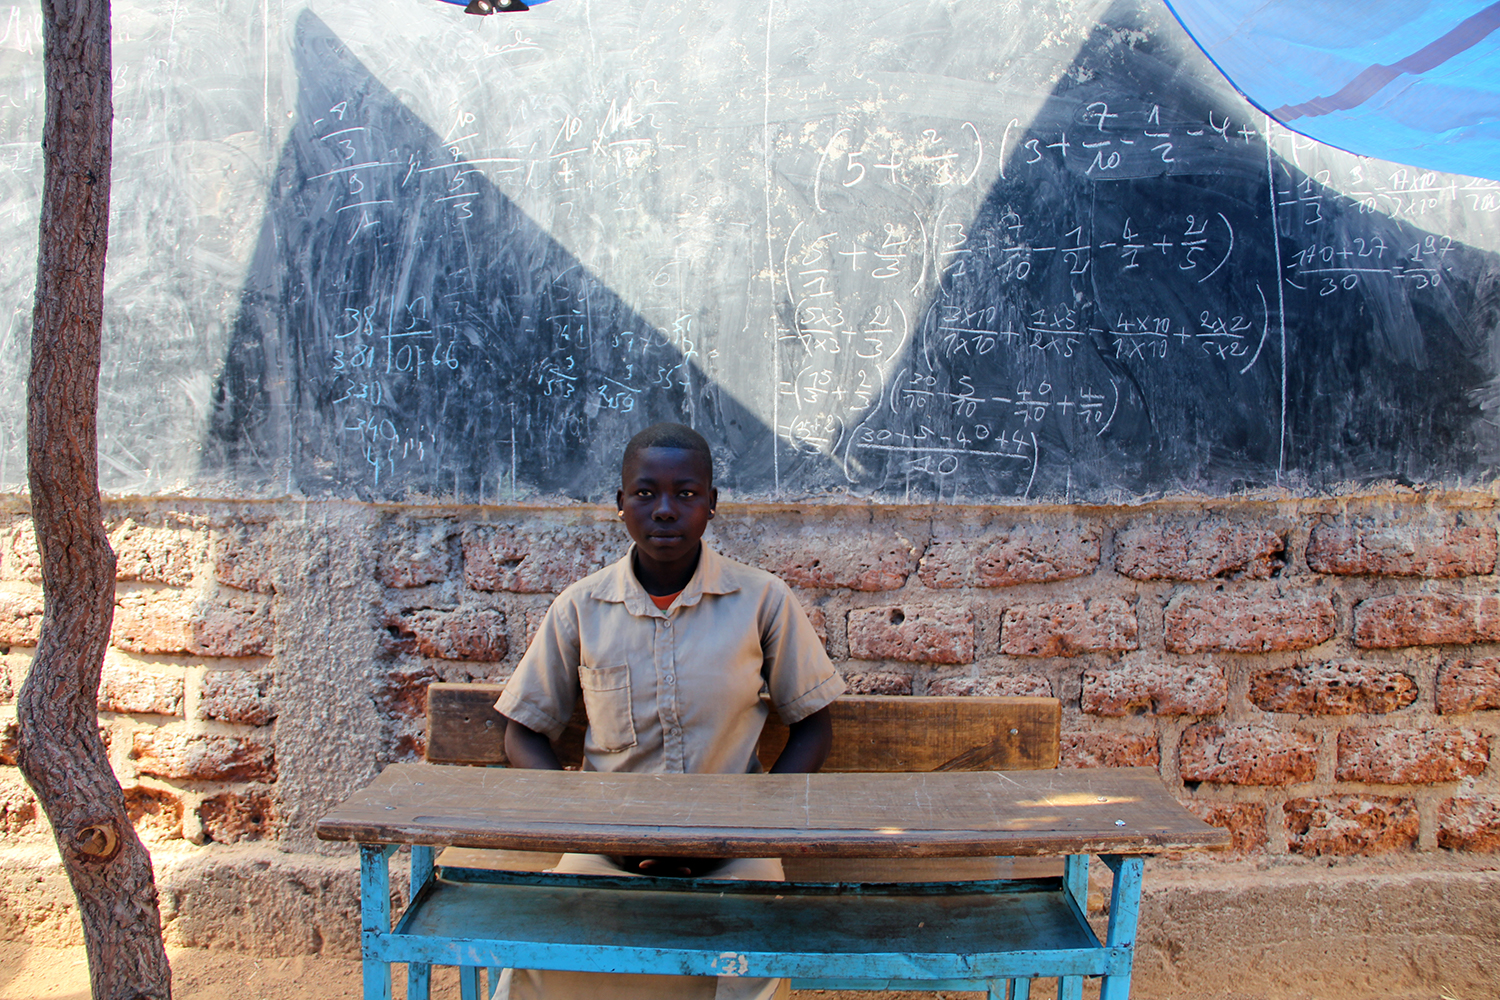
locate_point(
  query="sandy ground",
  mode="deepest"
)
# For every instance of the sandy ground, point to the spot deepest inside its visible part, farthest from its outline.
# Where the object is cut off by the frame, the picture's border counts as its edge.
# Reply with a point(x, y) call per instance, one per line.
point(29, 972)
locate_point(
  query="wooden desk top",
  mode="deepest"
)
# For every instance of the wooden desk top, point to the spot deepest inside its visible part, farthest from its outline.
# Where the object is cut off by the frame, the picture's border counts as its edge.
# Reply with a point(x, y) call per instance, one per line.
point(933, 814)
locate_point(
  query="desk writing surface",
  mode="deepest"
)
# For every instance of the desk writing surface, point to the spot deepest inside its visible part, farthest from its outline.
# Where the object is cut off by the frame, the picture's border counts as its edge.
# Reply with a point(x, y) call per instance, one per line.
point(953, 814)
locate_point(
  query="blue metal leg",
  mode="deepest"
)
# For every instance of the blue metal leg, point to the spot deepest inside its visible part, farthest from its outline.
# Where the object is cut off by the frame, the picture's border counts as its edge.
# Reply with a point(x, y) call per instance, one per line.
point(468, 982)
point(418, 982)
point(375, 916)
point(1020, 989)
point(1076, 881)
point(492, 983)
point(419, 977)
point(1070, 988)
point(1124, 915)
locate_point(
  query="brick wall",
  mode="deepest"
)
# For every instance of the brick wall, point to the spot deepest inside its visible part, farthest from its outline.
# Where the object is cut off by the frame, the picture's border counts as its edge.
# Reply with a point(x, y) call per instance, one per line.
point(1319, 677)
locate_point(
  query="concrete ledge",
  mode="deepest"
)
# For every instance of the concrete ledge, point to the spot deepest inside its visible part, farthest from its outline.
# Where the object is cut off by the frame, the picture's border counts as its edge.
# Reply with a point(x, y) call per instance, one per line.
point(1364, 927)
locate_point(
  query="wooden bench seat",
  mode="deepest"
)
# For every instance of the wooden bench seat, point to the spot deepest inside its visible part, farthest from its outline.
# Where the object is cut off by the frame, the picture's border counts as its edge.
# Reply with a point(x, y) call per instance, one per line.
point(871, 733)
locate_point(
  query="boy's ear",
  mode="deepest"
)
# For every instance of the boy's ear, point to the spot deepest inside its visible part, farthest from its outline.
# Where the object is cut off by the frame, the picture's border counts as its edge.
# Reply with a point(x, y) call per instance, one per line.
point(620, 501)
point(713, 500)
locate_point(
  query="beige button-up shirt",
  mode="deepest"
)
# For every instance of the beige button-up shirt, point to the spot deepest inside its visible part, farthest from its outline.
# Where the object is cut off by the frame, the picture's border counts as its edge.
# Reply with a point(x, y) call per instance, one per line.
point(675, 690)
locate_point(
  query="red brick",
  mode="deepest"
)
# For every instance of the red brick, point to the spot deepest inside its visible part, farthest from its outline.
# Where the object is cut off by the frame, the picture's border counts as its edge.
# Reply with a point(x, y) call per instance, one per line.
point(1207, 549)
point(993, 686)
point(537, 562)
point(816, 617)
point(1410, 756)
point(1470, 824)
point(878, 682)
point(1108, 750)
point(155, 813)
point(20, 618)
point(10, 737)
point(169, 753)
point(1435, 547)
point(534, 618)
point(460, 634)
point(820, 557)
point(1022, 553)
point(128, 687)
point(917, 634)
point(165, 623)
point(1252, 622)
point(1067, 628)
point(233, 629)
point(1340, 687)
point(153, 553)
point(243, 559)
point(232, 817)
point(1426, 620)
point(418, 553)
point(24, 560)
point(1245, 821)
point(19, 811)
point(1350, 824)
point(153, 623)
point(402, 694)
point(244, 697)
point(1247, 755)
point(1469, 686)
point(1156, 688)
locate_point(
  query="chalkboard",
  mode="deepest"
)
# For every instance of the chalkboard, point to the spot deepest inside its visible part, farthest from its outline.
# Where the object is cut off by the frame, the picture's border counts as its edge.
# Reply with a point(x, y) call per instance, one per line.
point(955, 251)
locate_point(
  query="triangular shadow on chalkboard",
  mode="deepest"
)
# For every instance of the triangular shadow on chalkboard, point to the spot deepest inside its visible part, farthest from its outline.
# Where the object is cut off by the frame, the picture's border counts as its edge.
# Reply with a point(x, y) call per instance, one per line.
point(1110, 326)
point(407, 331)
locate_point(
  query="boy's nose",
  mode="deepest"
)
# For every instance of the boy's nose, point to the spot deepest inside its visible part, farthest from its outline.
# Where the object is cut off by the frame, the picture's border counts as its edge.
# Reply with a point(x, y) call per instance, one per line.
point(664, 511)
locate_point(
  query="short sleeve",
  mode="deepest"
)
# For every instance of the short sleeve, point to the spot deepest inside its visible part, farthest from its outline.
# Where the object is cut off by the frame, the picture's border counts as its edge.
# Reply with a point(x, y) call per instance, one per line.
point(542, 692)
point(798, 674)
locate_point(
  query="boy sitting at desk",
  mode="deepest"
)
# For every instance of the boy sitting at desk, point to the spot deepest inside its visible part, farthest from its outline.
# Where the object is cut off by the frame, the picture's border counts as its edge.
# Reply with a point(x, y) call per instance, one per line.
point(670, 648)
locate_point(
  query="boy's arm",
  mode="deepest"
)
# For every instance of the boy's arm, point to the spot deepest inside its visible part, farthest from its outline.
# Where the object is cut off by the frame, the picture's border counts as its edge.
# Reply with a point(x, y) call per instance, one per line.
point(528, 748)
point(806, 748)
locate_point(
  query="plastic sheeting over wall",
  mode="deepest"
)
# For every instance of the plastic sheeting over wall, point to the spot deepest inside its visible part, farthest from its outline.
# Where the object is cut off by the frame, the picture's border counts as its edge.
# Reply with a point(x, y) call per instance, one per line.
point(1415, 81)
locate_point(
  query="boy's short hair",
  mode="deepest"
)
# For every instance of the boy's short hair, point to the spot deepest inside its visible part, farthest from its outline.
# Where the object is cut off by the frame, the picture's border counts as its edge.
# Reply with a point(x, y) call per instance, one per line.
point(669, 435)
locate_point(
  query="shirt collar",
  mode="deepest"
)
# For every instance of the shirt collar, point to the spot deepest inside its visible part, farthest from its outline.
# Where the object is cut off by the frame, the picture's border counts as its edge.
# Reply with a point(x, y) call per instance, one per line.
point(618, 584)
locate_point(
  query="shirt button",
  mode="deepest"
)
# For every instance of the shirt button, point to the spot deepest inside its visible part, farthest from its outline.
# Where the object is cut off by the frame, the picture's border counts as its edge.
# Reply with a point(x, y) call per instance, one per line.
point(670, 679)
point(673, 730)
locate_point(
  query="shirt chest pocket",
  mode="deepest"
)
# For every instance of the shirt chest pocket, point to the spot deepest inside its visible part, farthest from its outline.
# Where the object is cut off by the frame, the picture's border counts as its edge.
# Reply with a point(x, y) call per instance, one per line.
point(606, 699)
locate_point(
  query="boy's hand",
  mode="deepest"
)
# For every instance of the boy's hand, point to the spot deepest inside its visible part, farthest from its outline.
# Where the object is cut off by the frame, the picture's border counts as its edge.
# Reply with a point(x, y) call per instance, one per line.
point(668, 867)
point(528, 748)
point(807, 745)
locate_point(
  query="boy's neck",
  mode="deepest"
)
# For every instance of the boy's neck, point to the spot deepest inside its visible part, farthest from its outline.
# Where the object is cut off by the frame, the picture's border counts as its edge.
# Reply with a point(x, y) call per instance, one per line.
point(661, 579)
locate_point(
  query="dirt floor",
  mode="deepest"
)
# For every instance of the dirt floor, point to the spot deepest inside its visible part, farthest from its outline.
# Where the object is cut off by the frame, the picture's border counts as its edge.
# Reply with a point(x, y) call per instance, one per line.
point(30, 972)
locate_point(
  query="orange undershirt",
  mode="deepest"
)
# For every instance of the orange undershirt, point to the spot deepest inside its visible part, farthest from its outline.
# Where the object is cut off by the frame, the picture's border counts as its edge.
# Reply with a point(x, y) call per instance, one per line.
point(664, 602)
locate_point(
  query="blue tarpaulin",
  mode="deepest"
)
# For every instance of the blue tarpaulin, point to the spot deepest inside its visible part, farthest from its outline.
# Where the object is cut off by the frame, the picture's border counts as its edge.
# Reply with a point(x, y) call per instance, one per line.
point(1415, 81)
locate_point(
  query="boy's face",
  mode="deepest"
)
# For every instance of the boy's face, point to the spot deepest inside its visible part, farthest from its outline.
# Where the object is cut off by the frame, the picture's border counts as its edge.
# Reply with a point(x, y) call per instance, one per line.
point(667, 497)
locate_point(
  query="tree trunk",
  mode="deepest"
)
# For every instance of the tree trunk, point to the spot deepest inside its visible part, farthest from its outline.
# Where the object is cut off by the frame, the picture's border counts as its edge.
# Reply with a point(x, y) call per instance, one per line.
point(60, 749)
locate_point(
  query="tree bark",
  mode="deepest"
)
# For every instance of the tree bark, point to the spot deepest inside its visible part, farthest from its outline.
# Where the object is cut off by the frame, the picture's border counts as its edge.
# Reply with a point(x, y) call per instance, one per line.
point(60, 748)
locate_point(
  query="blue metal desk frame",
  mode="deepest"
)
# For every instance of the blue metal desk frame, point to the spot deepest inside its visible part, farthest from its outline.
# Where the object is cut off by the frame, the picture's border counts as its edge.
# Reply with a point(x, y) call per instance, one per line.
point(1005, 973)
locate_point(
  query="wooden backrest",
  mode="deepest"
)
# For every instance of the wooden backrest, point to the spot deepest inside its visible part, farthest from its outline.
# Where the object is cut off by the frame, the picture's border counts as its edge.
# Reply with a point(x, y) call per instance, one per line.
point(871, 732)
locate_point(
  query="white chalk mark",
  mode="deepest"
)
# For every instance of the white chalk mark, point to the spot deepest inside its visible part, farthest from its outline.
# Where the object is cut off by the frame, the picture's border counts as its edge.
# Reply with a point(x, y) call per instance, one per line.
point(980, 142)
point(1265, 329)
point(771, 266)
point(1036, 460)
point(786, 270)
point(358, 166)
point(1280, 293)
point(1221, 263)
point(818, 173)
point(1111, 412)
